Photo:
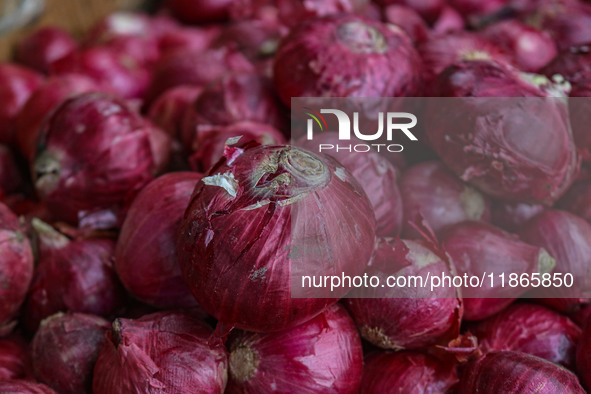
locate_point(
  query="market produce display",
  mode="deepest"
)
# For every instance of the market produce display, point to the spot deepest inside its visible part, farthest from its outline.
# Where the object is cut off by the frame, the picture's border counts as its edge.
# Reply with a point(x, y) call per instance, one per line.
point(171, 181)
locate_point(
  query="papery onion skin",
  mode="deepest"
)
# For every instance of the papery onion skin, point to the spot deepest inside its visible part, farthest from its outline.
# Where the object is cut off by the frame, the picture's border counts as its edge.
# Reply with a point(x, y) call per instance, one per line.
point(211, 141)
point(44, 46)
point(321, 355)
point(511, 216)
point(71, 275)
point(17, 83)
point(45, 99)
point(95, 154)
point(431, 192)
point(531, 329)
point(406, 319)
point(476, 248)
point(516, 372)
point(293, 12)
point(524, 152)
point(65, 349)
point(20, 386)
point(167, 110)
point(565, 236)
point(13, 357)
point(168, 352)
point(368, 59)
point(16, 265)
point(408, 372)
point(376, 175)
point(200, 11)
point(584, 355)
point(146, 258)
point(408, 20)
point(237, 247)
point(11, 178)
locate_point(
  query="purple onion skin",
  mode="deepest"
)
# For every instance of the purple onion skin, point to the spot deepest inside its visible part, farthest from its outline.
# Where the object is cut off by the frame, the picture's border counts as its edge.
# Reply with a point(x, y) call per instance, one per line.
point(188, 38)
point(167, 110)
point(95, 154)
point(515, 372)
point(476, 248)
point(432, 192)
point(511, 216)
point(16, 86)
point(72, 275)
point(566, 237)
point(44, 46)
point(294, 12)
point(408, 20)
point(321, 355)
point(13, 358)
point(449, 21)
point(532, 49)
point(167, 352)
point(407, 319)
point(531, 329)
point(200, 11)
point(376, 175)
point(577, 200)
point(584, 355)
point(146, 258)
point(523, 153)
point(16, 265)
point(407, 372)
point(428, 9)
point(45, 99)
point(65, 349)
point(19, 386)
point(346, 56)
point(243, 231)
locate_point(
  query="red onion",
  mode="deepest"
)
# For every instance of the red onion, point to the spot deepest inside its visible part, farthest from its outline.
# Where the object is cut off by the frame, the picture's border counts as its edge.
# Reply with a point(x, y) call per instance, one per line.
point(584, 356)
point(428, 9)
point(197, 68)
point(449, 21)
point(161, 147)
point(95, 153)
point(24, 387)
point(511, 216)
point(44, 46)
point(516, 373)
point(577, 200)
point(408, 20)
point(477, 248)
point(167, 352)
point(566, 237)
point(294, 12)
point(514, 149)
point(234, 98)
point(321, 355)
point(211, 141)
point(406, 318)
point(13, 357)
point(200, 11)
point(257, 38)
point(191, 39)
point(146, 258)
point(407, 372)
point(530, 329)
point(431, 192)
point(71, 275)
point(111, 69)
point(65, 349)
point(167, 110)
point(378, 178)
point(44, 100)
point(346, 56)
point(10, 176)
point(16, 266)
point(441, 51)
point(16, 85)
point(532, 49)
point(239, 225)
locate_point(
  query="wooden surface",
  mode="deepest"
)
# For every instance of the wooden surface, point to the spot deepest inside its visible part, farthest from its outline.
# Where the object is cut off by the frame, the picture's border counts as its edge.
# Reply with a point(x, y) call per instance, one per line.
point(73, 15)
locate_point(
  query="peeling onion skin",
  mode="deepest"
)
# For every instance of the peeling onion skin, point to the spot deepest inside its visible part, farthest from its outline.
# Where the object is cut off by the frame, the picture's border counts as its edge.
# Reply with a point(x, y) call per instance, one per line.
point(431, 192)
point(407, 320)
point(407, 372)
point(566, 237)
point(165, 352)
point(584, 355)
point(16, 265)
point(531, 329)
point(376, 175)
point(366, 59)
point(321, 355)
point(13, 357)
point(515, 372)
point(146, 258)
point(477, 247)
point(71, 275)
point(491, 148)
point(235, 242)
point(65, 349)
point(44, 46)
point(77, 173)
point(24, 387)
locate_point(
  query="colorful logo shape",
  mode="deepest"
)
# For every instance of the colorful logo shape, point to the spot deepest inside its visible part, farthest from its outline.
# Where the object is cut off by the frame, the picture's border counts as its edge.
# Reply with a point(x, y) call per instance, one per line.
point(315, 117)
